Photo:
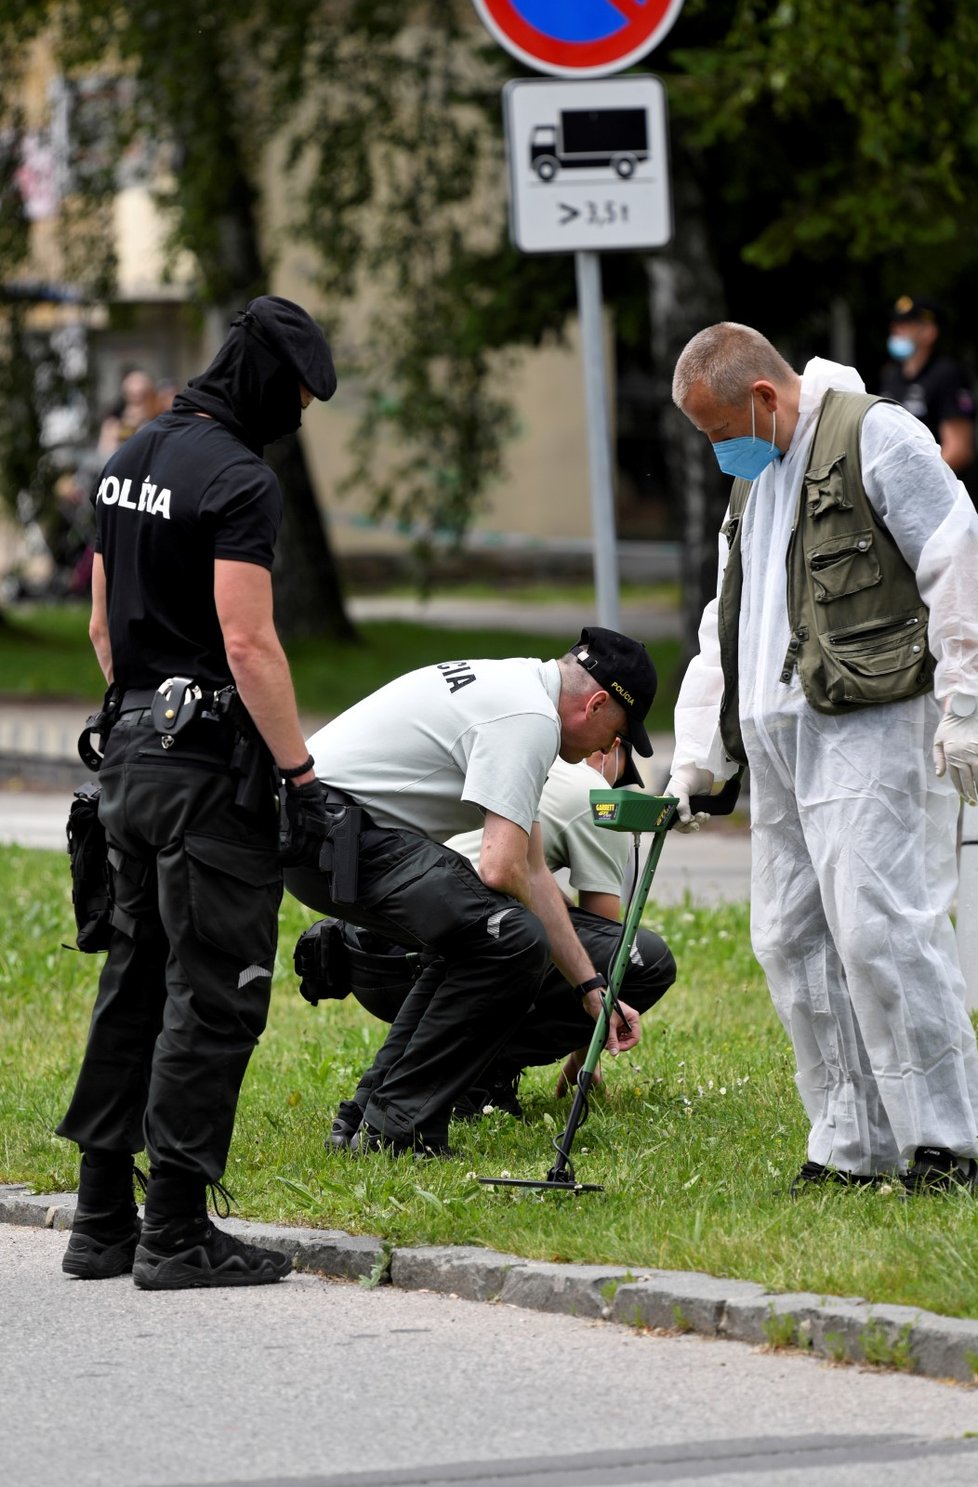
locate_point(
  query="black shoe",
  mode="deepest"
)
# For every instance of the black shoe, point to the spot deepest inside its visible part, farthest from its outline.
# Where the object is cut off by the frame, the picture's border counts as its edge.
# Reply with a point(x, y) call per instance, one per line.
point(369, 1139)
point(105, 1227)
point(210, 1258)
point(497, 1094)
point(936, 1169)
point(503, 1095)
point(814, 1174)
point(346, 1123)
point(90, 1258)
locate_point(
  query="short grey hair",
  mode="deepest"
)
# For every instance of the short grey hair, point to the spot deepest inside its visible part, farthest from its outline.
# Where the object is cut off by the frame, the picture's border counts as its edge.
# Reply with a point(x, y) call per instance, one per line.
point(575, 679)
point(727, 358)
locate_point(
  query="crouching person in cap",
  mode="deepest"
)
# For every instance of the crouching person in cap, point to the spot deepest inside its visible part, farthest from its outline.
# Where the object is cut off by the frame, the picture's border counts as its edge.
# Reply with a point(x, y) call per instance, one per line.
point(204, 722)
point(335, 958)
point(438, 751)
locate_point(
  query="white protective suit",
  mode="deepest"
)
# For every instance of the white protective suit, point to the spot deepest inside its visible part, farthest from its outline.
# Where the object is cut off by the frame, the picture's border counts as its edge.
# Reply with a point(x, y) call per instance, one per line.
point(853, 836)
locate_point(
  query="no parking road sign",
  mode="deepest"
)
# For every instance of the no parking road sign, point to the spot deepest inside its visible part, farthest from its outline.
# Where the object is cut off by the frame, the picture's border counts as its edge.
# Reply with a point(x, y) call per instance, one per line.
point(578, 38)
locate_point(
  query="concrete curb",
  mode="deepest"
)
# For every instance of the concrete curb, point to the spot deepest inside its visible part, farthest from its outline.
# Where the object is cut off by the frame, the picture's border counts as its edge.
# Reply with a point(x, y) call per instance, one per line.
point(843, 1329)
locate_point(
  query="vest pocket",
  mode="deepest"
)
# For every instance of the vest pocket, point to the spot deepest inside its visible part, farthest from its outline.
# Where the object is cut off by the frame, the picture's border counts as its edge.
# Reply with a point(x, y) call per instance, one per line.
point(825, 488)
point(881, 661)
point(844, 565)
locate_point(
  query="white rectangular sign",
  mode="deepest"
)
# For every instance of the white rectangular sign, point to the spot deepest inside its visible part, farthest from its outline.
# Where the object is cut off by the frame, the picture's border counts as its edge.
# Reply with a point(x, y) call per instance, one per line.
point(588, 164)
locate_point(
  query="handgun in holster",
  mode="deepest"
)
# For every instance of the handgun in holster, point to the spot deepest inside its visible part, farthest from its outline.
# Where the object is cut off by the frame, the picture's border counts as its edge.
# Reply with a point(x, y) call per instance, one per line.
point(339, 854)
point(251, 761)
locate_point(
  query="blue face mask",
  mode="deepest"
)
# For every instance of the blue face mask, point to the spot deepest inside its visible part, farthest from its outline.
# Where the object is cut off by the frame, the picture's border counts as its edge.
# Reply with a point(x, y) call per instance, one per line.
point(747, 456)
point(900, 347)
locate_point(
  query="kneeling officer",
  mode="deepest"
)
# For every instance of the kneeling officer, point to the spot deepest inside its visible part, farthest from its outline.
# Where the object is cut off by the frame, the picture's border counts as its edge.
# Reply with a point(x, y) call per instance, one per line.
point(438, 751)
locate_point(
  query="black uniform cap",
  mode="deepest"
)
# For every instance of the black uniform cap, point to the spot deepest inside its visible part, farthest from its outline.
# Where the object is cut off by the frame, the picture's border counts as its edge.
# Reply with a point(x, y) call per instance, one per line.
point(625, 670)
point(292, 335)
point(917, 307)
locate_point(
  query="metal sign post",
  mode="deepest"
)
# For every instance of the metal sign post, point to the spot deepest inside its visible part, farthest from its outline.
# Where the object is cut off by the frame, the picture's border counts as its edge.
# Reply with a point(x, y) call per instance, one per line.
point(588, 271)
point(588, 173)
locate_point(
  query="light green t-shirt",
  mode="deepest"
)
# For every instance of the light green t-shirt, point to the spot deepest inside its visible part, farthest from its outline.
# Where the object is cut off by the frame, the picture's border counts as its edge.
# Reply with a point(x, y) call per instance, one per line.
point(597, 860)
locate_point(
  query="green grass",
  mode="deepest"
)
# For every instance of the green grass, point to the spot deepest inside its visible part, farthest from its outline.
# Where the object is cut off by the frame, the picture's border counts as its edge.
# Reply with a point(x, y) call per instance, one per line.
point(696, 1135)
point(45, 653)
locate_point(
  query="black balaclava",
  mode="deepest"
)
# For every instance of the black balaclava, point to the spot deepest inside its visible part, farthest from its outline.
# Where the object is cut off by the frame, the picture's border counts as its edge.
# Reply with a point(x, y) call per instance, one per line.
point(252, 385)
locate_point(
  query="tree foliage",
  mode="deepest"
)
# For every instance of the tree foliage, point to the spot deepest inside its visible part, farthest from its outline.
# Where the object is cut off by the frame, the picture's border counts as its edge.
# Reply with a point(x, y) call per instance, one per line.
point(822, 155)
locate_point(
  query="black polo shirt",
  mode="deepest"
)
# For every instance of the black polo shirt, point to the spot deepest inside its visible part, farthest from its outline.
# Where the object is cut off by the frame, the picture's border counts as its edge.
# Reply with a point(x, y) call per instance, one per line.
point(179, 493)
point(939, 391)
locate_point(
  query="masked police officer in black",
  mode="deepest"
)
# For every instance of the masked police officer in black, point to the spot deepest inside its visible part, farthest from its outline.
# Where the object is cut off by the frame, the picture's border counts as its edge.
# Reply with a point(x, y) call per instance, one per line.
point(187, 519)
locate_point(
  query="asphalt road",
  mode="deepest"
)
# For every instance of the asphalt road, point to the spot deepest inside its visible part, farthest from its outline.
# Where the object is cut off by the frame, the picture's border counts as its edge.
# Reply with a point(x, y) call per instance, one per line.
point(712, 866)
point(325, 1384)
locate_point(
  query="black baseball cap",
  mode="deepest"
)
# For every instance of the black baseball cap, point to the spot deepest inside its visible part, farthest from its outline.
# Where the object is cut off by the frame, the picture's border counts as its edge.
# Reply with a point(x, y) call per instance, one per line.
point(917, 307)
point(625, 670)
point(293, 337)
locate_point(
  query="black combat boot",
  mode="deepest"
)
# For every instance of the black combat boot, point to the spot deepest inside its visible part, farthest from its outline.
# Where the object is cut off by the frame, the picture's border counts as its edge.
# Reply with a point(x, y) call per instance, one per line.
point(105, 1229)
point(180, 1248)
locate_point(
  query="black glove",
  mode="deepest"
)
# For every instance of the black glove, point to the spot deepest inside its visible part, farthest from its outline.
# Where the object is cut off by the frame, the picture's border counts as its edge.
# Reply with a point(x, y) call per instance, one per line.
point(303, 824)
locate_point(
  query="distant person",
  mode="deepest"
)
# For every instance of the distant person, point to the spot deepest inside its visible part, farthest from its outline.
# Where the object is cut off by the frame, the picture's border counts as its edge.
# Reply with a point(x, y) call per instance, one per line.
point(932, 387)
point(166, 391)
point(137, 406)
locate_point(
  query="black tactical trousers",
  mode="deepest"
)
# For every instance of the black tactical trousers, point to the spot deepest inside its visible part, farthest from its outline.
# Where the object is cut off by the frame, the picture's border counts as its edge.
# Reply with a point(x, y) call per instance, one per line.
point(491, 953)
point(556, 1023)
point(183, 1000)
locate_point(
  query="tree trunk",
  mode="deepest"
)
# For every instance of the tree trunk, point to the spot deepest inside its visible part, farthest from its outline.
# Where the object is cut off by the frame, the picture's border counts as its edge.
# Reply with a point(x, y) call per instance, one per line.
point(308, 592)
point(685, 294)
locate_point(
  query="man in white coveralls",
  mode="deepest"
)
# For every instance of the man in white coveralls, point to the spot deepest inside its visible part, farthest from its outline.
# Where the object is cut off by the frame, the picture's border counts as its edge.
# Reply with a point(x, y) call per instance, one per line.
point(840, 661)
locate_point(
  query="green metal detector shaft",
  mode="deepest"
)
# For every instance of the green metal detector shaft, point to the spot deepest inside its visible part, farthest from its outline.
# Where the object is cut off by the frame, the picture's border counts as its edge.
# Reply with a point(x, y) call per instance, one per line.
point(616, 810)
point(619, 810)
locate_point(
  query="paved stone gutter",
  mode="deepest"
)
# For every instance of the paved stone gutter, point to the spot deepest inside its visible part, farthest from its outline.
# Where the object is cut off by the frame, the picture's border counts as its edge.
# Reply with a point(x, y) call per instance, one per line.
point(844, 1329)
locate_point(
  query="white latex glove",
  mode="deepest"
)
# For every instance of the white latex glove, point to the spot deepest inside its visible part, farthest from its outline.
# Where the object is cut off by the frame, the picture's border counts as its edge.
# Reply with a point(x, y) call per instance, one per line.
point(956, 750)
point(687, 780)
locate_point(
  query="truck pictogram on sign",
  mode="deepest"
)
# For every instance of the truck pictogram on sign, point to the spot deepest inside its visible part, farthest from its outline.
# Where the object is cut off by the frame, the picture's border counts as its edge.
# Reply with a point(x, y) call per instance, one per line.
point(593, 137)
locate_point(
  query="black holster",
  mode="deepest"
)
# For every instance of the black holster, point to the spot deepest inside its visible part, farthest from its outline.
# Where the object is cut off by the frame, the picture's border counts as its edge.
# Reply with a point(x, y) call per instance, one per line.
point(251, 761)
point(339, 854)
point(91, 882)
point(100, 723)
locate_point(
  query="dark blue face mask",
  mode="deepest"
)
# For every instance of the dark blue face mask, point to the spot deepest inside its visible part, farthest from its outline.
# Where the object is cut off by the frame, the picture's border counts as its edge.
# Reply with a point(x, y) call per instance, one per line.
point(746, 457)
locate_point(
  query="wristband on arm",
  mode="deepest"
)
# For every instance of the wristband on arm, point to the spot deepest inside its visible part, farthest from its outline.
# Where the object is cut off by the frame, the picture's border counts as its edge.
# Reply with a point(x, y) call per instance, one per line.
point(292, 774)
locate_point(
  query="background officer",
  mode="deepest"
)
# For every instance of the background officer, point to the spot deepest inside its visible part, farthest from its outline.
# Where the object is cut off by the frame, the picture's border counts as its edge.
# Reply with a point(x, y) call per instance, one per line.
point(187, 518)
point(932, 387)
point(435, 752)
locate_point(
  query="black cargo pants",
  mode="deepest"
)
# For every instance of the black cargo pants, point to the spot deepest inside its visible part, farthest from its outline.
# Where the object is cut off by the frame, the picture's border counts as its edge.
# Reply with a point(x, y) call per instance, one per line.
point(491, 952)
point(556, 1023)
point(183, 999)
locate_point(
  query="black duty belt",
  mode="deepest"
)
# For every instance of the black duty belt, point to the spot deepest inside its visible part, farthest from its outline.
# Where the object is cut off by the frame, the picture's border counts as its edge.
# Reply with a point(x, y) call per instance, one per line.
point(140, 697)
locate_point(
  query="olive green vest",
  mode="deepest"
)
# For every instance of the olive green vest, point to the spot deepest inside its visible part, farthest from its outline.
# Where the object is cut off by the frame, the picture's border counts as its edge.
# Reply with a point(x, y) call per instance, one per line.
point(858, 624)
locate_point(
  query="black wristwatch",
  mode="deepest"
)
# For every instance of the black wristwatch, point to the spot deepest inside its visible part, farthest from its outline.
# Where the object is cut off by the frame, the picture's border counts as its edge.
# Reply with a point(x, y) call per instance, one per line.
point(596, 983)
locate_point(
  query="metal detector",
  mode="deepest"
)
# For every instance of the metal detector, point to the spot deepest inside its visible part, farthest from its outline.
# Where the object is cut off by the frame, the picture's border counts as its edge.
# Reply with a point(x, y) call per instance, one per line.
point(618, 810)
